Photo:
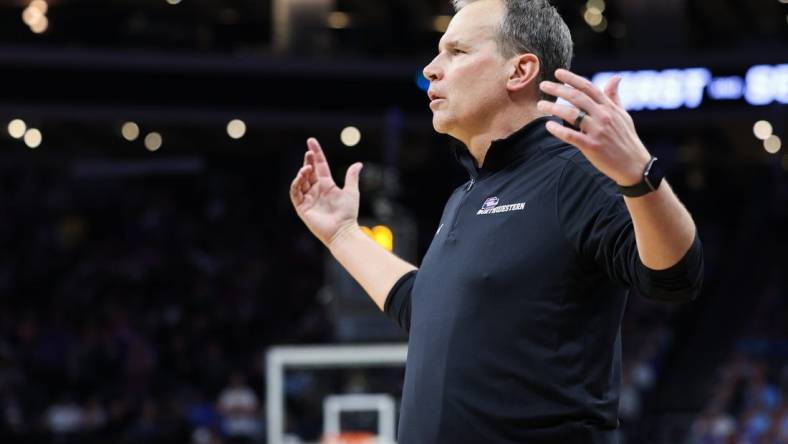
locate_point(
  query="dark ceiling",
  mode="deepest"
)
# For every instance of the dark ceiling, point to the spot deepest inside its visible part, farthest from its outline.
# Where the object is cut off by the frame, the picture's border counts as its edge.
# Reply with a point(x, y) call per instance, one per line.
point(194, 65)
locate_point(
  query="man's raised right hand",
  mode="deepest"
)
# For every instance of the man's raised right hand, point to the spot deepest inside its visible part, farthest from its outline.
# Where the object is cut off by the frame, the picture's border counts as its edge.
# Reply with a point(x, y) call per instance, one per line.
point(327, 210)
point(331, 214)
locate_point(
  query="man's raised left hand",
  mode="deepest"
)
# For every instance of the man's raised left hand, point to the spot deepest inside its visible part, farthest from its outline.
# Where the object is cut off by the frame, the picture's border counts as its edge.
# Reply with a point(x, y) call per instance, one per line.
point(606, 134)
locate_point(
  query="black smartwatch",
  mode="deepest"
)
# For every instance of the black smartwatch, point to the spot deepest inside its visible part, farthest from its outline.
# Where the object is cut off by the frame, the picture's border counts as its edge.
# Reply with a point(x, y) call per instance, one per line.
point(652, 177)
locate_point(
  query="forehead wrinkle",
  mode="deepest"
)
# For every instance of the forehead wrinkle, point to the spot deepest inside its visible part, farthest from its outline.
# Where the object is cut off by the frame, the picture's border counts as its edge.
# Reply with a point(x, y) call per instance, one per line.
point(448, 43)
point(472, 35)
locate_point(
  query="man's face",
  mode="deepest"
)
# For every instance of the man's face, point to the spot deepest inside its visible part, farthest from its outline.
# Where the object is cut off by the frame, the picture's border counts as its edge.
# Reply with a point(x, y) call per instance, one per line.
point(468, 76)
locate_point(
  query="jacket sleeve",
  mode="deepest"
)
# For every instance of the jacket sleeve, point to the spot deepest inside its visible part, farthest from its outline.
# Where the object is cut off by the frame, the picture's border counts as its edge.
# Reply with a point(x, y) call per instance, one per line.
point(598, 225)
point(398, 301)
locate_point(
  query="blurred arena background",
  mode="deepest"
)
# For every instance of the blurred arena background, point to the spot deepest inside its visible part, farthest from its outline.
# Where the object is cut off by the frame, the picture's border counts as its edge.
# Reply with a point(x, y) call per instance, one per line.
point(152, 268)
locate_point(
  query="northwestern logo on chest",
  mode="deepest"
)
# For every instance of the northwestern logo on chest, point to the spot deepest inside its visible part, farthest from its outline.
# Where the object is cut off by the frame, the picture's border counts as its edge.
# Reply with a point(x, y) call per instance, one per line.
point(490, 206)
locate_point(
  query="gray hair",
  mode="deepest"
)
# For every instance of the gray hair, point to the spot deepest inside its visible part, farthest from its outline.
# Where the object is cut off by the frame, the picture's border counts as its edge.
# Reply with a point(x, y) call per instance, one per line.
point(533, 26)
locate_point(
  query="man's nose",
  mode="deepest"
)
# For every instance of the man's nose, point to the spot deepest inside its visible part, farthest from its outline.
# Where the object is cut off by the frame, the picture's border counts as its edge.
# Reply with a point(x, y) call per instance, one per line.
point(431, 72)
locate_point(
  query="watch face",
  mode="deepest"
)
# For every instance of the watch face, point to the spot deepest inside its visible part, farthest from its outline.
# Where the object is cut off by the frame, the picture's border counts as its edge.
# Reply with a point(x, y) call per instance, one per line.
point(654, 175)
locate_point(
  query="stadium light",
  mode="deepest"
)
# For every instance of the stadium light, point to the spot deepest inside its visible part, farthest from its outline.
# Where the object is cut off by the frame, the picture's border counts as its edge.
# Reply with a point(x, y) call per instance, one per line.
point(350, 136)
point(153, 141)
point(382, 235)
point(17, 128)
point(130, 131)
point(773, 144)
point(236, 128)
point(33, 138)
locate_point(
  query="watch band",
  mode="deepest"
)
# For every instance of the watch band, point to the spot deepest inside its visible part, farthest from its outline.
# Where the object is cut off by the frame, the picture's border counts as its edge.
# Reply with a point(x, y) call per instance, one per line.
point(652, 178)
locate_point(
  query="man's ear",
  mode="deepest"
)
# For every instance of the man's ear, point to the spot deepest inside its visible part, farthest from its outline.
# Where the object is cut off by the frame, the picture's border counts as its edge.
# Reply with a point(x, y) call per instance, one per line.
point(524, 70)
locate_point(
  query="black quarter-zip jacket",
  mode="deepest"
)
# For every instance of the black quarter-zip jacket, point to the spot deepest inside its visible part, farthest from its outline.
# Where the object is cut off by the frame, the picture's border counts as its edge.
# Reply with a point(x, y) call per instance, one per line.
point(514, 315)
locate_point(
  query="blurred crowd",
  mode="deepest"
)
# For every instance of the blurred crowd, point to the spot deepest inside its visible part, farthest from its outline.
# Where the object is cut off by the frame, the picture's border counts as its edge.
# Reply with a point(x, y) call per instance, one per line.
point(749, 405)
point(748, 401)
point(138, 309)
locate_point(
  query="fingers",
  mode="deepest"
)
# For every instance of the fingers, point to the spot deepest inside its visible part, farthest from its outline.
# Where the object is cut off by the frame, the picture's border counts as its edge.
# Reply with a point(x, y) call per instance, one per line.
point(321, 164)
point(570, 136)
point(303, 178)
point(352, 176)
point(572, 95)
point(611, 90)
point(296, 196)
point(568, 113)
point(300, 185)
point(581, 84)
point(309, 160)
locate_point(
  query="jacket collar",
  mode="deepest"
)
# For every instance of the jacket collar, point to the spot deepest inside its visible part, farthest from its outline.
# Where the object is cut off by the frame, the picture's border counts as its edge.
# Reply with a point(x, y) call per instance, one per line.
point(503, 152)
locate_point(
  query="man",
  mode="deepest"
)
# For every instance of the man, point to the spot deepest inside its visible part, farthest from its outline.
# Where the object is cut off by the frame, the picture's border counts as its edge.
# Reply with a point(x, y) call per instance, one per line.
point(514, 315)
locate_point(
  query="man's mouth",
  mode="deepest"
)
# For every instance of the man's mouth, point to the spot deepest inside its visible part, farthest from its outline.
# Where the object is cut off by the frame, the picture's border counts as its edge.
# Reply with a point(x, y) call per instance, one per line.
point(434, 96)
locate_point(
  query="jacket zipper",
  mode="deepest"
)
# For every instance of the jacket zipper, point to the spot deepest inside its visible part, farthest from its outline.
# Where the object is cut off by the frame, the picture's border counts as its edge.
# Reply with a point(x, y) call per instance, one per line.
point(470, 185)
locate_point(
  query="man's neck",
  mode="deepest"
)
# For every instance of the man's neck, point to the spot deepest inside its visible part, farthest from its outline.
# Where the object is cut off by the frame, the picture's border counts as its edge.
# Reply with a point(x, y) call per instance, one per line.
point(509, 122)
